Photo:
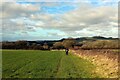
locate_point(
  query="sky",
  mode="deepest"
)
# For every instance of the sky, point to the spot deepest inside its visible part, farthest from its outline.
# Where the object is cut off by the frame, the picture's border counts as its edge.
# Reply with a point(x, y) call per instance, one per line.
point(57, 19)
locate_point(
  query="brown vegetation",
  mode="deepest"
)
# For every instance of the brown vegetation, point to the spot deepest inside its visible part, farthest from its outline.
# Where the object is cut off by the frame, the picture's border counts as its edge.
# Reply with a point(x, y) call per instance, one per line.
point(106, 61)
point(101, 44)
point(61, 44)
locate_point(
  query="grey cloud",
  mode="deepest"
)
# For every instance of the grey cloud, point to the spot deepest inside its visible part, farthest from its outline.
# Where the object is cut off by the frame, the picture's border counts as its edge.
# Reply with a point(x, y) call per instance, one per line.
point(83, 21)
point(11, 27)
point(13, 10)
point(80, 19)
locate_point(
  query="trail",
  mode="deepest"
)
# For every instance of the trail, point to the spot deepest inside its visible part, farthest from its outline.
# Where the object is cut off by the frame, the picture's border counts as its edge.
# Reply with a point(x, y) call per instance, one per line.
point(58, 66)
point(73, 67)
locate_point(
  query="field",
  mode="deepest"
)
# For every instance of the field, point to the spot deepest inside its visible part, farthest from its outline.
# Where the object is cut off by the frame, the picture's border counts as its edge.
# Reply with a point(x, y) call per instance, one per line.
point(44, 64)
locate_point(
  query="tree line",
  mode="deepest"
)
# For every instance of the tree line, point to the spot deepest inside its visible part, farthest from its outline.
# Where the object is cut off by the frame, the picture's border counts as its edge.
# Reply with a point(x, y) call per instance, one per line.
point(66, 43)
point(38, 46)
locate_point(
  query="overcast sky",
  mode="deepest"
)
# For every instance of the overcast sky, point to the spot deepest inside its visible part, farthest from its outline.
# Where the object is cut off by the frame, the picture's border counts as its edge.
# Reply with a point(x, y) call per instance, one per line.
point(55, 20)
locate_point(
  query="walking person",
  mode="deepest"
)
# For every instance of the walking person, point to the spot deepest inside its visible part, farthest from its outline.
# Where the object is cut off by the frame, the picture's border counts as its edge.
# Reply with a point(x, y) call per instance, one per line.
point(66, 50)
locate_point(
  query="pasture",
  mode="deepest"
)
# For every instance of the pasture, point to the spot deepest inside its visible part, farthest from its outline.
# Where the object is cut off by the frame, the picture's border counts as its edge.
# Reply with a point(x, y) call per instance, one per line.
point(44, 64)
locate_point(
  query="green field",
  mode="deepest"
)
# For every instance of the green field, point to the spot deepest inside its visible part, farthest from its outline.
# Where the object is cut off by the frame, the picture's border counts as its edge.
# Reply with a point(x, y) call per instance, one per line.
point(44, 64)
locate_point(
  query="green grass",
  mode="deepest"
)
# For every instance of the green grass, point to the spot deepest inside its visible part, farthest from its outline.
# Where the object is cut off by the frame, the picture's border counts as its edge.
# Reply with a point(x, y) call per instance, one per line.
point(44, 64)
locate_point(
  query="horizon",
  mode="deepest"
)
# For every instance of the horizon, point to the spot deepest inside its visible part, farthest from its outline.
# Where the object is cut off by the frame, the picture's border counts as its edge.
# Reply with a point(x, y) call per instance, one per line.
point(56, 20)
point(57, 39)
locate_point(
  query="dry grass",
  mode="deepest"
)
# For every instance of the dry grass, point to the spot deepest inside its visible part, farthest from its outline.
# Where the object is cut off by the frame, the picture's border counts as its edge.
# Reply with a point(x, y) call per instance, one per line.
point(106, 61)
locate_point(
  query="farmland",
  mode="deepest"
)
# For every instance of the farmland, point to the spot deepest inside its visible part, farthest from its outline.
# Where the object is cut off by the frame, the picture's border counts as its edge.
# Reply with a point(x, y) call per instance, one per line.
point(45, 64)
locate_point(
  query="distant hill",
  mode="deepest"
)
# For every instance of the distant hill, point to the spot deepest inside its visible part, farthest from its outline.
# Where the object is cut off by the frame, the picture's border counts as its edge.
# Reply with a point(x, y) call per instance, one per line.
point(94, 38)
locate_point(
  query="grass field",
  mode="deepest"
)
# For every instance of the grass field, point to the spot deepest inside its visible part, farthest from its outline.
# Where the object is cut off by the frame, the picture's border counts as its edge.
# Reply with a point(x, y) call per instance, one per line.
point(44, 64)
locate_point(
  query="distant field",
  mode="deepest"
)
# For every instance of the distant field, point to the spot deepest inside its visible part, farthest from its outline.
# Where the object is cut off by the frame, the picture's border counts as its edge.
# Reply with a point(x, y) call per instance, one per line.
point(44, 64)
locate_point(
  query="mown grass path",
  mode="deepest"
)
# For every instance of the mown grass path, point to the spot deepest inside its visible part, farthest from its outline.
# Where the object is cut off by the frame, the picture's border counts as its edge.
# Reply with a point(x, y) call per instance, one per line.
point(44, 64)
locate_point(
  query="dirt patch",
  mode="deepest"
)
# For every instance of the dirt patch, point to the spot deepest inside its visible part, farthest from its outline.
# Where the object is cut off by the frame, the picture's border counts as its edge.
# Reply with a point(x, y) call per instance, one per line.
point(106, 61)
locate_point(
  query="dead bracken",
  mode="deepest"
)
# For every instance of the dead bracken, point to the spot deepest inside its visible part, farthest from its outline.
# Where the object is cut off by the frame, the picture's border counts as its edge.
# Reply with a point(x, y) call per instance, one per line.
point(106, 61)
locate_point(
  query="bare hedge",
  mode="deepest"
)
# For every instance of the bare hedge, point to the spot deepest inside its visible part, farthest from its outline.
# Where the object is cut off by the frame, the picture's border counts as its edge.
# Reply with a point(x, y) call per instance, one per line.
point(101, 44)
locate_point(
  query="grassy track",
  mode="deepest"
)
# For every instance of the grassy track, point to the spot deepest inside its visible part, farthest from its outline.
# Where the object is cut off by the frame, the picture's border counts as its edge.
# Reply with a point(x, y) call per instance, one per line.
point(44, 64)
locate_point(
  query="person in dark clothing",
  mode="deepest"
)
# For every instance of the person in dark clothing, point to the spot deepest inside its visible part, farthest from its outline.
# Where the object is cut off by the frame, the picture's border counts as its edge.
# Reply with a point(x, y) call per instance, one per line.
point(66, 50)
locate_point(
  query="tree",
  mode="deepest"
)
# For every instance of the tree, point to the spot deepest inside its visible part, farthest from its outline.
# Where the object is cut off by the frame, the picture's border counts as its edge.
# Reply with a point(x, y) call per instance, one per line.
point(58, 45)
point(45, 46)
point(8, 45)
point(101, 44)
point(69, 43)
point(21, 44)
